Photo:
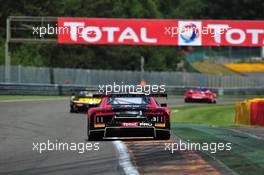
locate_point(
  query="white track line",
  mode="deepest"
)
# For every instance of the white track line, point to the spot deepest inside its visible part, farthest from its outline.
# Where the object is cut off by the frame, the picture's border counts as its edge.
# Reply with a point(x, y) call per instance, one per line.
point(124, 159)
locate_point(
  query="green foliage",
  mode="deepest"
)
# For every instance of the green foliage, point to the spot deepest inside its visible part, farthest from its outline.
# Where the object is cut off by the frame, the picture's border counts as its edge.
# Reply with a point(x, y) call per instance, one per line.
point(28, 54)
point(2, 53)
point(116, 57)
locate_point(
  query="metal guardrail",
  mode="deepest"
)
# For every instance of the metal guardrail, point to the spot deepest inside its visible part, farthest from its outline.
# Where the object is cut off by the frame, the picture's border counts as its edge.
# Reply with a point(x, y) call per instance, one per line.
point(56, 89)
point(90, 77)
point(36, 89)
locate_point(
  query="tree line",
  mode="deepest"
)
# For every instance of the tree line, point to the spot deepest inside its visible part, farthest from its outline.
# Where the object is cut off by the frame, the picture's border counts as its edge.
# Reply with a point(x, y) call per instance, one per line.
point(157, 58)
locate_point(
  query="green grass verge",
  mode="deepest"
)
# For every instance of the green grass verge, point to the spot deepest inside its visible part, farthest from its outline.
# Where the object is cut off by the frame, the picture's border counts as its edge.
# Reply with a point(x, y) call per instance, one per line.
point(25, 97)
point(214, 115)
point(209, 124)
point(241, 97)
point(247, 153)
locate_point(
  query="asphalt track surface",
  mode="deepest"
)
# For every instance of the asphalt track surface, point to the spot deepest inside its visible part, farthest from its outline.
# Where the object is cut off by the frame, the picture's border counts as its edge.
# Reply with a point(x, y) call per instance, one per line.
point(28, 122)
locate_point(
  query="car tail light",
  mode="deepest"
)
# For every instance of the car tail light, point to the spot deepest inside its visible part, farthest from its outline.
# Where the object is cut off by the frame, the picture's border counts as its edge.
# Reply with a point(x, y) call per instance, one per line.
point(160, 124)
point(99, 122)
point(100, 125)
point(99, 119)
point(157, 119)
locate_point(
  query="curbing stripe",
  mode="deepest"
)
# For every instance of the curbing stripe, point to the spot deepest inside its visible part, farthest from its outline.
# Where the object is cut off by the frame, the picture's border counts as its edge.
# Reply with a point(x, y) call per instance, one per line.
point(124, 159)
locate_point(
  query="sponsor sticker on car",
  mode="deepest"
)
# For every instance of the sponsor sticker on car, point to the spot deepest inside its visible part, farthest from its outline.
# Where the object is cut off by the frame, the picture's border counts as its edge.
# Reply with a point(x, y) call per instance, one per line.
point(197, 97)
point(129, 124)
point(145, 124)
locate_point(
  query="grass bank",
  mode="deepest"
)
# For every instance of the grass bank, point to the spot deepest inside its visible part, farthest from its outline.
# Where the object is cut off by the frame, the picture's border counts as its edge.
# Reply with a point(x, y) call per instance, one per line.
point(210, 124)
point(213, 115)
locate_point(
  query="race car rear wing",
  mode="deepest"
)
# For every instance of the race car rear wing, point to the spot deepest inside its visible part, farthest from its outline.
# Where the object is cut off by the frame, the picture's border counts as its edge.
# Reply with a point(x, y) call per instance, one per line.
point(84, 89)
point(75, 90)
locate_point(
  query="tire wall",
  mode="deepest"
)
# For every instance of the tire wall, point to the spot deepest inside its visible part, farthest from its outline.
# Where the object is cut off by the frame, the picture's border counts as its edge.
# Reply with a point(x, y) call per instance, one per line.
point(250, 112)
point(257, 113)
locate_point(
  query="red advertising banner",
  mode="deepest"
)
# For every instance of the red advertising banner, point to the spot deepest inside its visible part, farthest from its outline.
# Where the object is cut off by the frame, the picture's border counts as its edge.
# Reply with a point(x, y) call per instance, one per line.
point(160, 32)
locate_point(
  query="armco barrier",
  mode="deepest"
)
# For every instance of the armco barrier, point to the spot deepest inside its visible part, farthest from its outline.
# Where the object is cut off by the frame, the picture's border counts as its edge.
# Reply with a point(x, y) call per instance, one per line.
point(64, 89)
point(36, 89)
point(257, 113)
point(45, 75)
point(56, 89)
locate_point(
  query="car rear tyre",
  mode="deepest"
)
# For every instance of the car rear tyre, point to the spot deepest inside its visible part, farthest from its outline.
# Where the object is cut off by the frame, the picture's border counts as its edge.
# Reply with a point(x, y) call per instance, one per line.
point(93, 136)
point(163, 136)
point(213, 101)
point(72, 110)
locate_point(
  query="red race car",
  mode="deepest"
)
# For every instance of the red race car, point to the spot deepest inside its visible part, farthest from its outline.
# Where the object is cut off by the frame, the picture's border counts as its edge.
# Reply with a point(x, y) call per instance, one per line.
point(129, 116)
point(199, 94)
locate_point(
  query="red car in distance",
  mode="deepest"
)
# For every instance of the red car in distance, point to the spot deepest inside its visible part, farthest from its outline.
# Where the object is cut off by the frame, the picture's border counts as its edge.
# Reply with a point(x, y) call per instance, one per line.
point(199, 94)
